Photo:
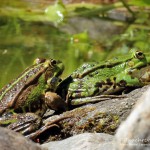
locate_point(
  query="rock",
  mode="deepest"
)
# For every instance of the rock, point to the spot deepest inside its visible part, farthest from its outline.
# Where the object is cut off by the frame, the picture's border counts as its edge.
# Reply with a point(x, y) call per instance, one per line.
point(134, 133)
point(96, 27)
point(10, 140)
point(85, 141)
point(102, 117)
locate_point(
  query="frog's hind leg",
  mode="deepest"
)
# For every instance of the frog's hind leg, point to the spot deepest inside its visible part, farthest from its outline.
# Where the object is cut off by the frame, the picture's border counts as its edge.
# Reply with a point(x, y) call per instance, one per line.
point(94, 99)
point(110, 86)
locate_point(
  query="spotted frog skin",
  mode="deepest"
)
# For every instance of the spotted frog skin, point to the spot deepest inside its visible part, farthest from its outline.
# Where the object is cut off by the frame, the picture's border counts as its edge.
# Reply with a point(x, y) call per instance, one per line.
point(25, 100)
point(106, 78)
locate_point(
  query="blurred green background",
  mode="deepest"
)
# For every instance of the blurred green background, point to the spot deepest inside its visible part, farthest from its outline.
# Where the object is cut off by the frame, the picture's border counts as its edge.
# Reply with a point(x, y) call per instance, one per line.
point(73, 32)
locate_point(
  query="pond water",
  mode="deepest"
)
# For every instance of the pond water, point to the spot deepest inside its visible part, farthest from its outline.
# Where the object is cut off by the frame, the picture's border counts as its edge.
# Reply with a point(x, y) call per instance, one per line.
point(24, 36)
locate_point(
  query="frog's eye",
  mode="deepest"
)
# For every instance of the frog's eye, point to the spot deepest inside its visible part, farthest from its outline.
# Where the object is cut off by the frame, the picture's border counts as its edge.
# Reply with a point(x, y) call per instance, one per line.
point(139, 55)
point(60, 80)
point(53, 62)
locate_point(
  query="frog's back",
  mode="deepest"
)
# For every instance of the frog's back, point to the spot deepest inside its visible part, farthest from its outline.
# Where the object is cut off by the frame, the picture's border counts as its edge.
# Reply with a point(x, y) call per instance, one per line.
point(12, 90)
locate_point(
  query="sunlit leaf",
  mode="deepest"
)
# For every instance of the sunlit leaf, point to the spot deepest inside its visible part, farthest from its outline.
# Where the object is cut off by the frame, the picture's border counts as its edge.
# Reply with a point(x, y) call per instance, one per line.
point(56, 12)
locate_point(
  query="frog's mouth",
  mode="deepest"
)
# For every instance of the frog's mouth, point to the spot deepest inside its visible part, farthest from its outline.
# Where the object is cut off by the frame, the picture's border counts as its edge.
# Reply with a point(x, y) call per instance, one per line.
point(142, 74)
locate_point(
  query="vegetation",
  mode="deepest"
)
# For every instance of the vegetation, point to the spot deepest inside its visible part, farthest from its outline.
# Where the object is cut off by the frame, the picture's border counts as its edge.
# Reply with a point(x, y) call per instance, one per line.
point(74, 33)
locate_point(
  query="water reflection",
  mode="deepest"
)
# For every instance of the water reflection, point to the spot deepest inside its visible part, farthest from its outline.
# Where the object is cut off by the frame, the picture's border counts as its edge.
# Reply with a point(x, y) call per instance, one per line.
point(21, 42)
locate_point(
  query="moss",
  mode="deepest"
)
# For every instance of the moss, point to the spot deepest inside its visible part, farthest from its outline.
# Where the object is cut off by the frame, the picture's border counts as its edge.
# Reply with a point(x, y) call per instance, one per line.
point(86, 119)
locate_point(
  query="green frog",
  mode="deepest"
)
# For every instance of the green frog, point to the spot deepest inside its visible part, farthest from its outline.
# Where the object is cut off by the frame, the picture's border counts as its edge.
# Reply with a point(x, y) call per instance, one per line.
point(98, 81)
point(24, 101)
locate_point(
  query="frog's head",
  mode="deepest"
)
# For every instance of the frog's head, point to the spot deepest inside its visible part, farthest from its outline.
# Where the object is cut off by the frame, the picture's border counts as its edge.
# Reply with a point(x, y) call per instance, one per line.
point(138, 60)
point(54, 66)
point(52, 70)
point(59, 67)
point(139, 66)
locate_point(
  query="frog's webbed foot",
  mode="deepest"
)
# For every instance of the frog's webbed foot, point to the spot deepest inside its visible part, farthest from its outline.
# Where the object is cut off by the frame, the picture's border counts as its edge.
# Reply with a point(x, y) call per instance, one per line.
point(94, 99)
point(55, 102)
point(25, 123)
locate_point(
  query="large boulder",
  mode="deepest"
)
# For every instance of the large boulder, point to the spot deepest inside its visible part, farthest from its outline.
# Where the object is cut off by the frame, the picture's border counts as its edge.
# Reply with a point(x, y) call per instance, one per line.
point(85, 141)
point(10, 140)
point(134, 133)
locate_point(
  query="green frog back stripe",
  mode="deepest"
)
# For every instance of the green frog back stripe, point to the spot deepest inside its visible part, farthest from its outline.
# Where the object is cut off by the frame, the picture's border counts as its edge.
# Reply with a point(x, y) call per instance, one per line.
point(8, 93)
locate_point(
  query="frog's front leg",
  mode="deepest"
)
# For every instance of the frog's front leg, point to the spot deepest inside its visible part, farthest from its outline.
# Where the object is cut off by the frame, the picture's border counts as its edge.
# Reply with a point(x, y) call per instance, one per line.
point(55, 102)
point(24, 123)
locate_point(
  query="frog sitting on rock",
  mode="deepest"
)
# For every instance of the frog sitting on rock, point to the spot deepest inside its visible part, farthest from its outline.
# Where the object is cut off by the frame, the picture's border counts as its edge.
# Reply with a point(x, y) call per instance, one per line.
point(24, 101)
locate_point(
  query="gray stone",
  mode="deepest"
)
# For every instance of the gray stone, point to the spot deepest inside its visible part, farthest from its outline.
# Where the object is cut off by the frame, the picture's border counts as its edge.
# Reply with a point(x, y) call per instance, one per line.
point(85, 141)
point(10, 140)
point(134, 133)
